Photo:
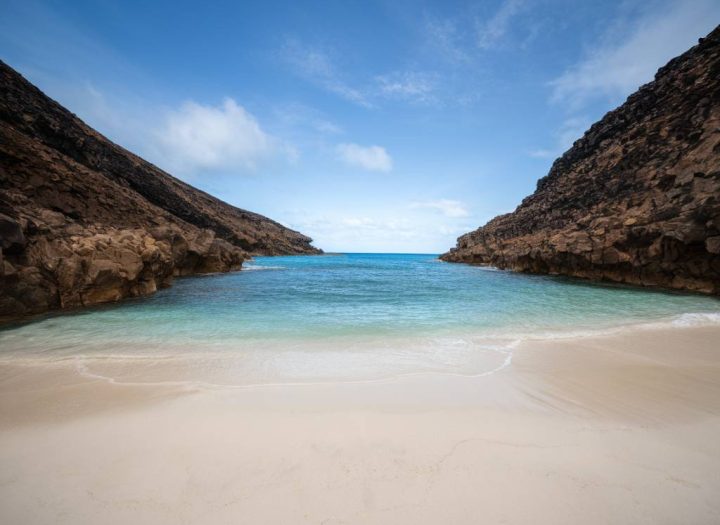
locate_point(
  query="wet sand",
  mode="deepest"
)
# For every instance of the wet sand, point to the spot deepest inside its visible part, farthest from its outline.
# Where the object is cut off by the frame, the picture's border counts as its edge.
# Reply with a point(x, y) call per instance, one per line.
point(621, 428)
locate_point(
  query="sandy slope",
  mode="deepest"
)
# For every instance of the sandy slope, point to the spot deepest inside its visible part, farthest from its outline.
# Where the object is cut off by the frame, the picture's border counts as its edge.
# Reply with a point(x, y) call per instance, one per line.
point(614, 429)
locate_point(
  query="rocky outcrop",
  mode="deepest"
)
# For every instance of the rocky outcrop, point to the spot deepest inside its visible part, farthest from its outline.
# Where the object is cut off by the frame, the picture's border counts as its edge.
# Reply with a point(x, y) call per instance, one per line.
point(83, 221)
point(635, 200)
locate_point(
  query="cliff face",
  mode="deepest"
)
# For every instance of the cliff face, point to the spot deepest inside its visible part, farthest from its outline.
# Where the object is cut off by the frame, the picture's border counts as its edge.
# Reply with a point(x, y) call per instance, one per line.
point(83, 221)
point(635, 200)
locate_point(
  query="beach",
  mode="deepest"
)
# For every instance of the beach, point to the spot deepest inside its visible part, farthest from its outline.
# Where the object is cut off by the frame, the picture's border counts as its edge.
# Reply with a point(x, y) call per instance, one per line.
point(613, 428)
point(358, 263)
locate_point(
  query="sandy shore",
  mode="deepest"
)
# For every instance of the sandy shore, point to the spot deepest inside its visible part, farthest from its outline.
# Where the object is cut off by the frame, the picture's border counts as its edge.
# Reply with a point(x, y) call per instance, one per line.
point(613, 429)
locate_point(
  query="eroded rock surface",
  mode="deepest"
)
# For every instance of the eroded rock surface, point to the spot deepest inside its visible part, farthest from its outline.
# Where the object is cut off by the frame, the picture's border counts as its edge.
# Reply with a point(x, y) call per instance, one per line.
point(635, 200)
point(83, 221)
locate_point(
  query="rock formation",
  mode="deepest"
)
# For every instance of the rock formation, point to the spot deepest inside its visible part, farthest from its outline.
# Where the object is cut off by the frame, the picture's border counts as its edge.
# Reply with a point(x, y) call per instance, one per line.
point(635, 200)
point(83, 221)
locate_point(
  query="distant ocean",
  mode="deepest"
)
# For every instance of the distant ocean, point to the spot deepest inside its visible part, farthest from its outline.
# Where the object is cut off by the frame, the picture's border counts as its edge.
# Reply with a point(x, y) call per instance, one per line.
point(340, 317)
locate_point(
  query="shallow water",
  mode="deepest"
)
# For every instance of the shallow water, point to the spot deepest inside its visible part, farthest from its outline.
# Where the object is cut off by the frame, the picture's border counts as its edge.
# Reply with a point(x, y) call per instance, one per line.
point(349, 316)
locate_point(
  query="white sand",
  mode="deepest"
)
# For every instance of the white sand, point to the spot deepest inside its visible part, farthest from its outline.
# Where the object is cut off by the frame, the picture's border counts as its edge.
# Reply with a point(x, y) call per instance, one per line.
point(615, 429)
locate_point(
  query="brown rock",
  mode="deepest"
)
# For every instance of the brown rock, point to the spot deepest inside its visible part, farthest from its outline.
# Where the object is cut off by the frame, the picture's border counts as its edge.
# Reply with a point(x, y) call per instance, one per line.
point(712, 244)
point(11, 234)
point(84, 221)
point(647, 213)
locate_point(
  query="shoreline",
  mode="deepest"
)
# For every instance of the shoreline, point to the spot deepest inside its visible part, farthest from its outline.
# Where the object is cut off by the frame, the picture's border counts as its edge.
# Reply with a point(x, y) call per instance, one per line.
point(609, 341)
point(500, 345)
point(614, 428)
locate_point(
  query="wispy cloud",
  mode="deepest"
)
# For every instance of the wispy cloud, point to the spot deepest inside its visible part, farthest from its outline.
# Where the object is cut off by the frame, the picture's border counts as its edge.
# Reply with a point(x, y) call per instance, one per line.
point(626, 56)
point(327, 127)
point(408, 85)
point(465, 38)
point(617, 66)
point(447, 38)
point(447, 207)
point(302, 121)
point(541, 153)
point(371, 158)
point(491, 31)
point(198, 137)
point(571, 129)
point(315, 65)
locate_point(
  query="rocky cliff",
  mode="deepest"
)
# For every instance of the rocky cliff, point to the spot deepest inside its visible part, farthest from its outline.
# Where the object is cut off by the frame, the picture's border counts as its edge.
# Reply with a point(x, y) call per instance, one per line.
point(83, 221)
point(635, 200)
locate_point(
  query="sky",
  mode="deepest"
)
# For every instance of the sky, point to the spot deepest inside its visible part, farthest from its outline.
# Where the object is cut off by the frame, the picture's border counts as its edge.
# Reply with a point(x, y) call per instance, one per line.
point(372, 126)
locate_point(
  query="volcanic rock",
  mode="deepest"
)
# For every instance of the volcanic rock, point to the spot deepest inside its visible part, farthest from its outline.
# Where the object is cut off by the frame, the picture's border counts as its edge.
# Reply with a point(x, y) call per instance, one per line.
point(635, 200)
point(83, 221)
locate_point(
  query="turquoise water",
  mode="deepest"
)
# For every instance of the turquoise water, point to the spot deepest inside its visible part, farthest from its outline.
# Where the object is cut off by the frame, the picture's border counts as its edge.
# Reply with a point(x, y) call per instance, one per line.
point(402, 312)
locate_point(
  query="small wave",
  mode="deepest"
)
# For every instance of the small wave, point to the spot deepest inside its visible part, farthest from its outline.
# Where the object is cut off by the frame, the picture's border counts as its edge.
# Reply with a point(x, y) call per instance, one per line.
point(697, 319)
point(687, 320)
point(488, 268)
point(254, 267)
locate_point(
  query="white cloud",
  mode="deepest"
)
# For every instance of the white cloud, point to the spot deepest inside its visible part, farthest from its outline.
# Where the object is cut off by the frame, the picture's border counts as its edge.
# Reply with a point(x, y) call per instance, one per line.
point(184, 140)
point(408, 85)
point(372, 158)
point(624, 62)
point(494, 29)
point(316, 66)
point(447, 207)
point(196, 137)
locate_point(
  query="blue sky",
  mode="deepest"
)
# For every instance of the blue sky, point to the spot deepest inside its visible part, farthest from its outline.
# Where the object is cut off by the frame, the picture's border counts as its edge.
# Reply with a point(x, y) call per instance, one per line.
point(388, 126)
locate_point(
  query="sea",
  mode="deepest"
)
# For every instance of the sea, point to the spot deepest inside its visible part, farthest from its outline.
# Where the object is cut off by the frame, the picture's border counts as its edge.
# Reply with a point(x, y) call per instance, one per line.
point(340, 317)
